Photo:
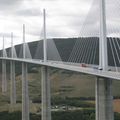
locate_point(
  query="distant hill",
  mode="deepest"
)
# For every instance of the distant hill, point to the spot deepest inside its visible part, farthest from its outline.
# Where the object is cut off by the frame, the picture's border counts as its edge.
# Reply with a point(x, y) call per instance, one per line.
point(67, 47)
point(79, 50)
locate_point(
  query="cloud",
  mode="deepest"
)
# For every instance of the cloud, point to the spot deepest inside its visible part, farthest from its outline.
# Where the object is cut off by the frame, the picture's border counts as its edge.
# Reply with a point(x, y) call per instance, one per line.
point(8, 2)
point(28, 12)
point(65, 18)
point(5, 4)
point(48, 0)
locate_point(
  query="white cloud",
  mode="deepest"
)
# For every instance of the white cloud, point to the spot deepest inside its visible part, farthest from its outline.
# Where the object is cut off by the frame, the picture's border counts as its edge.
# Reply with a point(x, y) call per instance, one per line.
point(65, 18)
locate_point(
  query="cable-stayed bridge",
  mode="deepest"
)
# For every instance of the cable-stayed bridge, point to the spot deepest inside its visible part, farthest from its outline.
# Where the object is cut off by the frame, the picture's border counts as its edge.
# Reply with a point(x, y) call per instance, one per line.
point(100, 58)
point(71, 67)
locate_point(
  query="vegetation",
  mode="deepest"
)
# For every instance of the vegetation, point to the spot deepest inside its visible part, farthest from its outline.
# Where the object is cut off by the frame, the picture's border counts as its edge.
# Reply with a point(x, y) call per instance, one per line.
point(66, 115)
point(72, 102)
point(67, 88)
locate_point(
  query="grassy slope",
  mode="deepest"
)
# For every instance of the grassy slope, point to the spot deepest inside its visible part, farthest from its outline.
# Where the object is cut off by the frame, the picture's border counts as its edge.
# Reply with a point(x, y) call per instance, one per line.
point(62, 83)
point(83, 85)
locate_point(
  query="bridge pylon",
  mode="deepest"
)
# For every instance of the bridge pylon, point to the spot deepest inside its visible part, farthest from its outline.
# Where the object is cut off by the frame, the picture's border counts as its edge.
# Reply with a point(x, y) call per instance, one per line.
point(46, 101)
point(104, 97)
point(25, 94)
point(45, 40)
point(4, 79)
point(12, 76)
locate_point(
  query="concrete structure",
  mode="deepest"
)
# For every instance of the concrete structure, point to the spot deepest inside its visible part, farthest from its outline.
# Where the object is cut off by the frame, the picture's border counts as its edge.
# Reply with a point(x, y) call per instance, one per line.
point(103, 59)
point(4, 80)
point(90, 71)
point(13, 83)
point(25, 94)
point(12, 76)
point(45, 40)
point(104, 97)
point(46, 102)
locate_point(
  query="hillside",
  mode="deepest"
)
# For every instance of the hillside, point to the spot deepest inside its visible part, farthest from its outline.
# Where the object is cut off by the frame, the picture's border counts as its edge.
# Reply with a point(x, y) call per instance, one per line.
point(67, 88)
point(63, 84)
point(85, 50)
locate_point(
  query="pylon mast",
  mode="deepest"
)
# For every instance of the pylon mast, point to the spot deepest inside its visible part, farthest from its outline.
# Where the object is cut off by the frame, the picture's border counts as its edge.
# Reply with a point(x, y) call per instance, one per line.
point(103, 59)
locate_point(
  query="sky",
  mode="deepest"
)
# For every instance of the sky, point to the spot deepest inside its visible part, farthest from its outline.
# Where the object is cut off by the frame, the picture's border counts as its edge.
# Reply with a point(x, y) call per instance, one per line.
point(65, 18)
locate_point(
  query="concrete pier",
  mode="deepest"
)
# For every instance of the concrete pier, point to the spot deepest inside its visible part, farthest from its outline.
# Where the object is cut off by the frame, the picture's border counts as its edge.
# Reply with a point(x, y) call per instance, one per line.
point(104, 99)
point(46, 101)
point(13, 83)
point(4, 80)
point(25, 95)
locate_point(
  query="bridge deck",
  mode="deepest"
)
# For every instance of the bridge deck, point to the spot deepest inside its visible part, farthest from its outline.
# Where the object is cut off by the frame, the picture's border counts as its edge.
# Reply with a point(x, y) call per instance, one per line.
point(60, 65)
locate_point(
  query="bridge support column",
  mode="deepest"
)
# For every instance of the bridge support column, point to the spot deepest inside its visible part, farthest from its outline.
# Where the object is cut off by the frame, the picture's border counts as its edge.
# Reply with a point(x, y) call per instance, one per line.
point(13, 83)
point(25, 96)
point(46, 101)
point(4, 80)
point(104, 99)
